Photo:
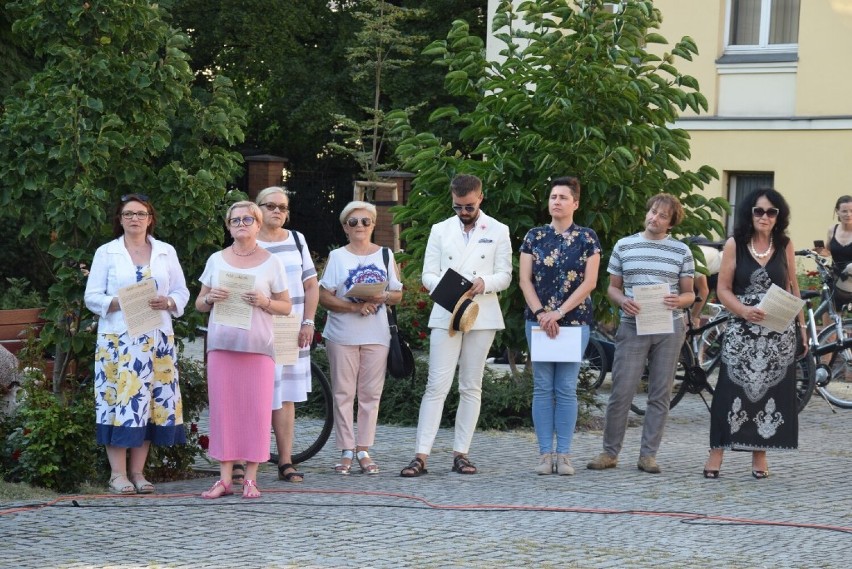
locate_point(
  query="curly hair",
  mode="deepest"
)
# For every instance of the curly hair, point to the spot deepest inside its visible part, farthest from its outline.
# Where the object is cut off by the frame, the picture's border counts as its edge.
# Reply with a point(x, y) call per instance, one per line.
point(744, 222)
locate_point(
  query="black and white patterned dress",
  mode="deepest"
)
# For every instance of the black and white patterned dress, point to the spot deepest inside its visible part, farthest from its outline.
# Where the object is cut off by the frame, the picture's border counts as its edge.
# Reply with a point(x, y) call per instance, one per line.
point(754, 406)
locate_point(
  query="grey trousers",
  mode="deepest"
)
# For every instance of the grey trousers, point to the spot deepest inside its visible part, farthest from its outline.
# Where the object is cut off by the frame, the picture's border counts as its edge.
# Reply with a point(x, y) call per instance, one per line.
point(631, 352)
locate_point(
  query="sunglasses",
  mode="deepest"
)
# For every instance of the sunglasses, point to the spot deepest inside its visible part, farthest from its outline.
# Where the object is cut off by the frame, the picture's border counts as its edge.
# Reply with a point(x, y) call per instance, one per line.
point(283, 208)
point(353, 222)
point(138, 197)
point(759, 212)
point(138, 214)
point(245, 220)
point(467, 208)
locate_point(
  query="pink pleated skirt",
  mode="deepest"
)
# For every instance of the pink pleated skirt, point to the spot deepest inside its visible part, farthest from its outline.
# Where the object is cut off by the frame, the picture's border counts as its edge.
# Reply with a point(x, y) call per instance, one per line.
point(239, 387)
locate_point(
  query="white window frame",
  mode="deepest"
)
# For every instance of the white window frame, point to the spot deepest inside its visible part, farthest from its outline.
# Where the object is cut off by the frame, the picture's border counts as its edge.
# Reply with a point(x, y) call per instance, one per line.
point(763, 45)
point(733, 177)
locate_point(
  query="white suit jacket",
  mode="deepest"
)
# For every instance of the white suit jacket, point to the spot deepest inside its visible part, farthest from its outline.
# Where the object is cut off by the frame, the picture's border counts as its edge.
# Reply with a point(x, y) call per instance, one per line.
point(487, 255)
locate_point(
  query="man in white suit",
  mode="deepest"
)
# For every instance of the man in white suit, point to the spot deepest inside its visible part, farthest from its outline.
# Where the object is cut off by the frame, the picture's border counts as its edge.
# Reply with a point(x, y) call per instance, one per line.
point(477, 247)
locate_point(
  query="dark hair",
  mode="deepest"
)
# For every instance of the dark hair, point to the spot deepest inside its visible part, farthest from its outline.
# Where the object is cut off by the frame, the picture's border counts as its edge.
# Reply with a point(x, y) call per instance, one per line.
point(571, 182)
point(670, 202)
point(117, 228)
point(463, 184)
point(744, 224)
point(842, 200)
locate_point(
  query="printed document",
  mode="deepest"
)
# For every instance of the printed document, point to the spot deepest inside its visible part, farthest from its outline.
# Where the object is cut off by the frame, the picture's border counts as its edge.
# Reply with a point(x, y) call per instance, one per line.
point(138, 314)
point(366, 290)
point(780, 307)
point(654, 317)
point(285, 331)
point(565, 347)
point(235, 311)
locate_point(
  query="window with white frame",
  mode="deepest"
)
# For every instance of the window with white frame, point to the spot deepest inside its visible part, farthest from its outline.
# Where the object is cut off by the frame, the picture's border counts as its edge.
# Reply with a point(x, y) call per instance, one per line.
point(741, 184)
point(761, 26)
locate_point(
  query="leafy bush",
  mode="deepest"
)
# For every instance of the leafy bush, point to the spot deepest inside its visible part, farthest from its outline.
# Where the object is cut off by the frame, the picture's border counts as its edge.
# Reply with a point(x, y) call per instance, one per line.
point(20, 294)
point(51, 441)
point(412, 313)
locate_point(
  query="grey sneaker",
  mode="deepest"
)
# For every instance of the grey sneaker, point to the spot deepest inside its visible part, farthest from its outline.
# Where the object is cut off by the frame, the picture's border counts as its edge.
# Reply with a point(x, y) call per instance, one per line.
point(602, 461)
point(563, 465)
point(648, 464)
point(545, 464)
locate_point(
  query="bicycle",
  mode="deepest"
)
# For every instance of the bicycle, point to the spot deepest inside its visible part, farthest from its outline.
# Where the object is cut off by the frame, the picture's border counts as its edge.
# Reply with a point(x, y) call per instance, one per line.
point(830, 349)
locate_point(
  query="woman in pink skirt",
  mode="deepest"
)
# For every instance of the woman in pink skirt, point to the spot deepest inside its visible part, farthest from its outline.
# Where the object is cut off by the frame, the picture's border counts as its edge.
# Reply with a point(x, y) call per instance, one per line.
point(240, 351)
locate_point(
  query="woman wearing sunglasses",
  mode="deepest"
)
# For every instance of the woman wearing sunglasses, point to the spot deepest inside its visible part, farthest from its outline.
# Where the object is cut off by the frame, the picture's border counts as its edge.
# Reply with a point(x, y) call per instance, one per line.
point(356, 332)
point(292, 382)
point(137, 397)
point(243, 286)
point(754, 406)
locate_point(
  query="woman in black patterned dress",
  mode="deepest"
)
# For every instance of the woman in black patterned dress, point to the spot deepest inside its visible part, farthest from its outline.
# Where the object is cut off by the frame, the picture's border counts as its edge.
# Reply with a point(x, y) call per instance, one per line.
point(754, 406)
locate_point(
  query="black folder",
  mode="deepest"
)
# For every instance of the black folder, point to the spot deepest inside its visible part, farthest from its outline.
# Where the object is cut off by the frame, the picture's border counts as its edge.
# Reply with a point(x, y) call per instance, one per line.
point(450, 289)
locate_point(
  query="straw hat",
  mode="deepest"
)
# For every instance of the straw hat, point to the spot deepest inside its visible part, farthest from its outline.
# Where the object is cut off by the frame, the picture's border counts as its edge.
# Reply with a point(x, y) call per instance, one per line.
point(464, 315)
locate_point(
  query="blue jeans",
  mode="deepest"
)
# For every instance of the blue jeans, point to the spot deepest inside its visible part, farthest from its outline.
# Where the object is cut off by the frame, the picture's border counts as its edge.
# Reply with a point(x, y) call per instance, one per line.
point(554, 404)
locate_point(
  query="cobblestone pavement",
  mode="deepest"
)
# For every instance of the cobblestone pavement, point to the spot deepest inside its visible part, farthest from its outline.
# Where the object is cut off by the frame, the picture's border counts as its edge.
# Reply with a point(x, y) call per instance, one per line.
point(506, 516)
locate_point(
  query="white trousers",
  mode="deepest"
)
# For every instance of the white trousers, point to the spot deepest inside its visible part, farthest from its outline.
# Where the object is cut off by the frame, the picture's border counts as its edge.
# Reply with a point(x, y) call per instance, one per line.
point(468, 351)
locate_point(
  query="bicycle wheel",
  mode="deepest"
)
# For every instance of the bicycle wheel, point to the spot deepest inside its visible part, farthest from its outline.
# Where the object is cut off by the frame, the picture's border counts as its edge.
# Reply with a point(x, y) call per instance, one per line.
point(805, 380)
point(314, 420)
point(680, 384)
point(710, 347)
point(594, 366)
point(836, 386)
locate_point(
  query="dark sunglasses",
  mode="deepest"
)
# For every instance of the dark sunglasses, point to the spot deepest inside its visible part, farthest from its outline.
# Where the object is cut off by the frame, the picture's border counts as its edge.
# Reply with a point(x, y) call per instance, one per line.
point(138, 197)
point(283, 208)
point(467, 208)
point(759, 212)
point(353, 222)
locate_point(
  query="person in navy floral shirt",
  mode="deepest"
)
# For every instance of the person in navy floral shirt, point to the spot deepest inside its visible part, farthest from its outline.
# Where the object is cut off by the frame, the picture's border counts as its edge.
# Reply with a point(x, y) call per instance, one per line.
point(558, 272)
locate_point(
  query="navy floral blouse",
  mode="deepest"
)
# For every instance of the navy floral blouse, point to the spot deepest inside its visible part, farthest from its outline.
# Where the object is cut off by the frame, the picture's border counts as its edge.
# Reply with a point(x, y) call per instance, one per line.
point(559, 267)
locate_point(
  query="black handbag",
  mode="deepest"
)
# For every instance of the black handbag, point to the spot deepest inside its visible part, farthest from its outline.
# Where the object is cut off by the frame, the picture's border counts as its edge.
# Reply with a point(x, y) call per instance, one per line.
point(400, 357)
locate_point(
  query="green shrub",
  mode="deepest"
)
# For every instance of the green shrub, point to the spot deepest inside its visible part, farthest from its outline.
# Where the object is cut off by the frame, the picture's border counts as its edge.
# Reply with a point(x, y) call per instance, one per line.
point(19, 293)
point(51, 441)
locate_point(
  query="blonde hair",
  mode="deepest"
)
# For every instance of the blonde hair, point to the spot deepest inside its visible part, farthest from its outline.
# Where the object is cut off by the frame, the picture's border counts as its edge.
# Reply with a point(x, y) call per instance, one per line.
point(352, 206)
point(251, 206)
point(266, 192)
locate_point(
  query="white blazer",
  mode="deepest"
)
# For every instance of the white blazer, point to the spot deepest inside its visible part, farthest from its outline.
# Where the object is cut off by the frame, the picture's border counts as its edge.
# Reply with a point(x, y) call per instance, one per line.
point(487, 255)
point(112, 269)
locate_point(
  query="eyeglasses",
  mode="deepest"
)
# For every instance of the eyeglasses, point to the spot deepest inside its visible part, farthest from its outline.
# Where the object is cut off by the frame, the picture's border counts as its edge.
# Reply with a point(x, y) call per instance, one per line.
point(759, 212)
point(139, 197)
point(245, 220)
point(353, 222)
point(137, 214)
point(283, 208)
point(467, 208)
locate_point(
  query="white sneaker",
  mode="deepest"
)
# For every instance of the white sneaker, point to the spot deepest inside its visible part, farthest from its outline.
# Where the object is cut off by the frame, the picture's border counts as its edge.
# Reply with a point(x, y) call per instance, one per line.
point(563, 465)
point(545, 464)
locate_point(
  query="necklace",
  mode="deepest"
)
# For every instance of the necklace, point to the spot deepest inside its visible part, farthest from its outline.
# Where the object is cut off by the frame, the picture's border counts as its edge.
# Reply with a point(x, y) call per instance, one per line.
point(361, 259)
point(760, 255)
point(234, 249)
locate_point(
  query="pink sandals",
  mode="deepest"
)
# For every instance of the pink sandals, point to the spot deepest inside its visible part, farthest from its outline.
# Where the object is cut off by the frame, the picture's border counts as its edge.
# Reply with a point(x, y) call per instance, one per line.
point(218, 490)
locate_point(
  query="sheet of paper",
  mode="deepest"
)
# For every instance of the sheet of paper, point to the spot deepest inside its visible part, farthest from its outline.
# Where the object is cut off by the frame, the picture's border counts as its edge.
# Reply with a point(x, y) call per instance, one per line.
point(780, 307)
point(565, 347)
point(654, 317)
point(138, 315)
point(366, 290)
point(235, 311)
point(285, 330)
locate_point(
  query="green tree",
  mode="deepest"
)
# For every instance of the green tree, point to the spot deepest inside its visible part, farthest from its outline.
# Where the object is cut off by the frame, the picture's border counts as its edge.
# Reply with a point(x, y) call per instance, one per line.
point(584, 97)
point(111, 111)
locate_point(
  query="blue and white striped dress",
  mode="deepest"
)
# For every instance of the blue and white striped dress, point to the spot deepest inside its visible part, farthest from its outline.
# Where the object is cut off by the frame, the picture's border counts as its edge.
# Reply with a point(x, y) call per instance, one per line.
point(293, 382)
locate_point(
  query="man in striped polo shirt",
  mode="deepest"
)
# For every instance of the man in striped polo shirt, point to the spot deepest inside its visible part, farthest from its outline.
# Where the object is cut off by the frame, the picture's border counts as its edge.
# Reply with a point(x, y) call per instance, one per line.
point(646, 258)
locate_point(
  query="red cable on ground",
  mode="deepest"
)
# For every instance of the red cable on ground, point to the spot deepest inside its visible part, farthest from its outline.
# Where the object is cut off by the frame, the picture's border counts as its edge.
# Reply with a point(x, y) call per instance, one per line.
point(685, 516)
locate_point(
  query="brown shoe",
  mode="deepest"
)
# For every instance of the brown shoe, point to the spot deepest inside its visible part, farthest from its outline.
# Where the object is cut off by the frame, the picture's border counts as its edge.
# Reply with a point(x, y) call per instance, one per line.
point(648, 464)
point(602, 461)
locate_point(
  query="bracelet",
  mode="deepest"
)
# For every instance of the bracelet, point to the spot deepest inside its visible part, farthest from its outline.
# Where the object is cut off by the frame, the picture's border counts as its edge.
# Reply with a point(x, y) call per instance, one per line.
point(207, 300)
point(268, 302)
point(559, 310)
point(308, 322)
point(170, 304)
point(539, 311)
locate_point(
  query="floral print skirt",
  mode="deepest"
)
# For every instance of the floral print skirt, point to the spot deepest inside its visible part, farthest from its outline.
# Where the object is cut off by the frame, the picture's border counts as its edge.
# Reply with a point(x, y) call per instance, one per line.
point(137, 395)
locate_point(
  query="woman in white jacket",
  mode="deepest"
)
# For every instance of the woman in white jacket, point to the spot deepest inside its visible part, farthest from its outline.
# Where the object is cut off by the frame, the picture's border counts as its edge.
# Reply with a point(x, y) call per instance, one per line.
point(137, 397)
